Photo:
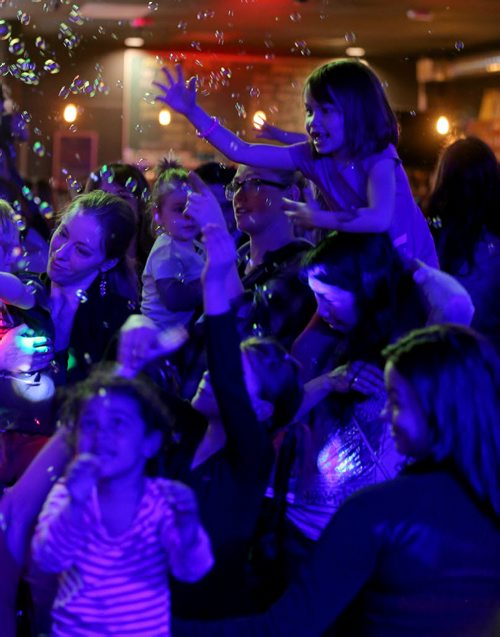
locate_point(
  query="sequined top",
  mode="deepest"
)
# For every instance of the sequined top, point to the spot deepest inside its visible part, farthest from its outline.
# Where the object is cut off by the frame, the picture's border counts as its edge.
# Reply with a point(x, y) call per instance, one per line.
point(344, 447)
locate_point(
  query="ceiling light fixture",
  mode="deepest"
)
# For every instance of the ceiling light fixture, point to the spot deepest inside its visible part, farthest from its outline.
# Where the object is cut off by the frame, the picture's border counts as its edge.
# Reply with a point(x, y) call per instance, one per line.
point(355, 51)
point(134, 42)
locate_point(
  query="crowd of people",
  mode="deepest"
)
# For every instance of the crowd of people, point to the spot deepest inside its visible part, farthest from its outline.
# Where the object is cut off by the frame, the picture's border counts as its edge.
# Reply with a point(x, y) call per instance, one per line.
point(255, 399)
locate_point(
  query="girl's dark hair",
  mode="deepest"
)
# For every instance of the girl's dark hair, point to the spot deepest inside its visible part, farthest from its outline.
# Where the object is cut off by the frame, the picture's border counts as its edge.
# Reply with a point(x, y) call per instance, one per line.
point(117, 222)
point(369, 122)
point(465, 200)
point(278, 375)
point(132, 179)
point(388, 302)
point(455, 374)
point(104, 380)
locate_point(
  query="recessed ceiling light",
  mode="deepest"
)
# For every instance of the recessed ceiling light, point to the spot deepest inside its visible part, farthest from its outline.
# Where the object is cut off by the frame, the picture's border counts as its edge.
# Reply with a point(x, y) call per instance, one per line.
point(355, 51)
point(113, 11)
point(134, 42)
point(420, 15)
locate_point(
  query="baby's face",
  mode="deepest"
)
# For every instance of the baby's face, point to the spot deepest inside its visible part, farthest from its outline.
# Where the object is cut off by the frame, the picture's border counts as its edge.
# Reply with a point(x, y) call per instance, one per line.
point(111, 427)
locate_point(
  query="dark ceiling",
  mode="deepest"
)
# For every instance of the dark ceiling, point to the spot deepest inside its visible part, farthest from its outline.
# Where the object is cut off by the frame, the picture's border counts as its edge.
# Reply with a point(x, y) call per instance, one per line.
point(323, 28)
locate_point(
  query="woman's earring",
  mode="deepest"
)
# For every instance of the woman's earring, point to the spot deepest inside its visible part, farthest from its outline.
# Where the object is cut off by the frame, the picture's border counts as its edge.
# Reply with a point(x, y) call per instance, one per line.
point(103, 285)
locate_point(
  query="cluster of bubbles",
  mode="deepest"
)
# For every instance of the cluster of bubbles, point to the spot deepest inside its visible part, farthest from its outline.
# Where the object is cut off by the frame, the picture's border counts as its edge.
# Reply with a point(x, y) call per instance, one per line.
point(25, 69)
point(90, 88)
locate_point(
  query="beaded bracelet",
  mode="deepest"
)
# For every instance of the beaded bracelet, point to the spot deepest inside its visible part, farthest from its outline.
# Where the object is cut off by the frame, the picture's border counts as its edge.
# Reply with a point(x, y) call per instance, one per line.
point(210, 129)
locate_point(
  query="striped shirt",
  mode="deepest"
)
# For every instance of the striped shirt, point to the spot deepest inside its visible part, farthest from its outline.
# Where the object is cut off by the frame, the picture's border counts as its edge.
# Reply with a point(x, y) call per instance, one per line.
point(115, 585)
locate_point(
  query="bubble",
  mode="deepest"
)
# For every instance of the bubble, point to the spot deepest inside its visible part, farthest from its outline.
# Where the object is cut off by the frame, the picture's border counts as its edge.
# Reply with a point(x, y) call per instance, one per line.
point(74, 15)
point(46, 210)
point(131, 305)
point(219, 36)
point(301, 47)
point(51, 66)
point(240, 109)
point(119, 83)
point(107, 174)
point(182, 25)
point(5, 30)
point(24, 18)
point(149, 98)
point(131, 184)
point(16, 46)
point(102, 392)
point(88, 358)
point(41, 44)
point(73, 128)
point(204, 15)
point(350, 37)
point(254, 91)
point(295, 17)
point(64, 92)
point(39, 149)
point(20, 223)
point(196, 45)
point(98, 67)
point(413, 113)
point(139, 128)
point(153, 6)
point(269, 56)
point(72, 42)
point(29, 77)
point(81, 295)
point(3, 523)
point(65, 30)
point(459, 45)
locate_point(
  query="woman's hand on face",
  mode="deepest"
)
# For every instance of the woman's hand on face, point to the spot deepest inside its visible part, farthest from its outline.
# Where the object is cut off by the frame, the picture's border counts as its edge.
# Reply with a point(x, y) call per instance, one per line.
point(82, 476)
point(182, 501)
point(358, 376)
point(221, 252)
point(141, 341)
point(176, 92)
point(202, 205)
point(22, 351)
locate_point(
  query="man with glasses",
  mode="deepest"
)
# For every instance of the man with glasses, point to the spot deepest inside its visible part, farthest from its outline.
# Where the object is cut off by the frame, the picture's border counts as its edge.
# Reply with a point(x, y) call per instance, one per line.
point(277, 301)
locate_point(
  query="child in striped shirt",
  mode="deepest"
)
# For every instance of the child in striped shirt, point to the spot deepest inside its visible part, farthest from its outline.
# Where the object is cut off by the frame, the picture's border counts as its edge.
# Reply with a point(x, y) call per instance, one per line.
point(112, 533)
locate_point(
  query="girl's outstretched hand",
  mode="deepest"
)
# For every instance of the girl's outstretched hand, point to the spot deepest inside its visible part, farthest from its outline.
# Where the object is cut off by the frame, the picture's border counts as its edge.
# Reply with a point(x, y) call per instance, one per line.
point(202, 205)
point(307, 214)
point(176, 92)
point(185, 519)
point(221, 252)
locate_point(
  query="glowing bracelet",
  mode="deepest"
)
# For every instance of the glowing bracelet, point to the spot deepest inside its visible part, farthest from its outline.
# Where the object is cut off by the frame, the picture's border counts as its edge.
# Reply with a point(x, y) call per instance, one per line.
point(210, 129)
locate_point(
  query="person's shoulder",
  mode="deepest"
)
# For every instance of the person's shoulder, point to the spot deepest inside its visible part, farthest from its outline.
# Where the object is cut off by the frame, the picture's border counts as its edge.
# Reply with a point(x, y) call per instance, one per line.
point(389, 152)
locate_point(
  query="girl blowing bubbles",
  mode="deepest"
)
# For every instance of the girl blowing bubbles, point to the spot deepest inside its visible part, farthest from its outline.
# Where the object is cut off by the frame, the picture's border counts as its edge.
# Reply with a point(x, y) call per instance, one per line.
point(112, 533)
point(350, 156)
point(171, 278)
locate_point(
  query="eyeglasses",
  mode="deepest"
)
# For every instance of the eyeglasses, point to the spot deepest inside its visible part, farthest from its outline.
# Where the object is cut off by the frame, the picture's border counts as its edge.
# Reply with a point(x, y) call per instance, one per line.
point(252, 182)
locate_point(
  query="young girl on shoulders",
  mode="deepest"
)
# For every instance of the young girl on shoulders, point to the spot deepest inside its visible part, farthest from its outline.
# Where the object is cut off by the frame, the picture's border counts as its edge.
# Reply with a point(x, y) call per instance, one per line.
point(171, 279)
point(112, 533)
point(350, 155)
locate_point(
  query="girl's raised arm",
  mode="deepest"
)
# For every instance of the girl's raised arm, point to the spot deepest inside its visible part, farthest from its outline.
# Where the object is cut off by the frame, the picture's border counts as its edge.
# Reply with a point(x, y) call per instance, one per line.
point(181, 96)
